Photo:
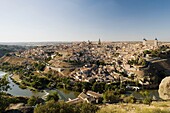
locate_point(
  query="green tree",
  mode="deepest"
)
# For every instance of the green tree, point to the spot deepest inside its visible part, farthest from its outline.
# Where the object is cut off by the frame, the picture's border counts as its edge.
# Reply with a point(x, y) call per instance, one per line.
point(54, 107)
point(86, 108)
point(109, 96)
point(98, 87)
point(3, 87)
point(39, 66)
point(54, 96)
point(62, 107)
point(32, 101)
point(86, 85)
point(146, 97)
point(129, 99)
point(4, 84)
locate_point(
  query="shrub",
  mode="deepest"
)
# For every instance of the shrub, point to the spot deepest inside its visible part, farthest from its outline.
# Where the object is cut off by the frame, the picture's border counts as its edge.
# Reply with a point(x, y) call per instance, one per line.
point(62, 107)
point(146, 97)
point(32, 101)
point(147, 100)
point(54, 96)
point(109, 96)
point(22, 86)
point(129, 99)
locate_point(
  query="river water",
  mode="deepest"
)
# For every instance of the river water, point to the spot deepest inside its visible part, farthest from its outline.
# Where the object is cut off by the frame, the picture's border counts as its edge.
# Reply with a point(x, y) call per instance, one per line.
point(15, 90)
point(63, 94)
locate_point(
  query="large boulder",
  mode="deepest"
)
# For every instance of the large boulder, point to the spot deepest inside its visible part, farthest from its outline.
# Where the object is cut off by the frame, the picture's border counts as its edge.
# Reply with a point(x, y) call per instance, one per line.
point(164, 89)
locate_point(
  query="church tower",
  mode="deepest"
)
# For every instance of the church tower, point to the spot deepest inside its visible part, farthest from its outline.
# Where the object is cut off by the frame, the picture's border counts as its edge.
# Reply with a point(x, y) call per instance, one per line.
point(99, 42)
point(156, 42)
point(144, 42)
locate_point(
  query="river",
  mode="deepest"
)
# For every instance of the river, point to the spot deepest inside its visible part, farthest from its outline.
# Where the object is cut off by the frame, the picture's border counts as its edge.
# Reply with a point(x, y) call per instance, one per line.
point(63, 94)
point(15, 90)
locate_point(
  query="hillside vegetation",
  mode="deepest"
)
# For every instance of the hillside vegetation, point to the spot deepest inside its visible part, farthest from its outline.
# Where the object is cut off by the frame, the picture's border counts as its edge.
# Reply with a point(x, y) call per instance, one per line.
point(5, 49)
point(155, 107)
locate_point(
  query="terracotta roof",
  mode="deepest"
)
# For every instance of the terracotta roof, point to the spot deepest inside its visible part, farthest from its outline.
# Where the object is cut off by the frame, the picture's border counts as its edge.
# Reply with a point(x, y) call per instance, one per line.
point(94, 94)
point(83, 96)
point(74, 101)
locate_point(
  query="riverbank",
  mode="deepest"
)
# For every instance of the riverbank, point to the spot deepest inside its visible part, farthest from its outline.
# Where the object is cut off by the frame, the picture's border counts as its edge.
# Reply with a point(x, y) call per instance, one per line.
point(17, 91)
point(15, 78)
point(63, 94)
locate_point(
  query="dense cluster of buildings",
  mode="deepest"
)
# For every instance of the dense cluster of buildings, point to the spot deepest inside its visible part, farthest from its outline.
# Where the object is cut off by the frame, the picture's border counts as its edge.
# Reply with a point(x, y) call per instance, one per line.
point(95, 61)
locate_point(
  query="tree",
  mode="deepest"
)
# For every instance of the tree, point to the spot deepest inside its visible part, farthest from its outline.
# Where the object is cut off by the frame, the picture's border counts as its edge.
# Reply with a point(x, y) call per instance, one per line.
point(86, 108)
point(54, 96)
point(39, 66)
point(129, 99)
point(32, 101)
point(3, 87)
point(146, 52)
point(86, 86)
point(54, 107)
point(146, 97)
point(98, 87)
point(4, 84)
point(62, 107)
point(109, 96)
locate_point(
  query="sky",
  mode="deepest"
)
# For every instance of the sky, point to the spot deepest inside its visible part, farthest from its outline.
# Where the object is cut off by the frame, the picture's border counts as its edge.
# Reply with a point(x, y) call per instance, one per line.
point(82, 20)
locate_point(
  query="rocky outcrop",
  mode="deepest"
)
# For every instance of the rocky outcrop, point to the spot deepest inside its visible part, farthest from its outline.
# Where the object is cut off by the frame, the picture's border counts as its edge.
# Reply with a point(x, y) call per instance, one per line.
point(164, 89)
point(19, 108)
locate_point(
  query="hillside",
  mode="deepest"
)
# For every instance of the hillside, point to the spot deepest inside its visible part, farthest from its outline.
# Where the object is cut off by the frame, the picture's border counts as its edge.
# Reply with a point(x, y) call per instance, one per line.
point(155, 107)
point(159, 70)
point(151, 76)
point(5, 49)
point(15, 60)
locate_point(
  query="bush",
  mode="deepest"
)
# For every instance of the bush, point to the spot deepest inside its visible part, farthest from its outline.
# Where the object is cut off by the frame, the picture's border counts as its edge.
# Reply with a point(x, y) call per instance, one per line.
point(53, 107)
point(129, 99)
point(86, 108)
point(147, 100)
point(54, 96)
point(62, 107)
point(146, 97)
point(109, 96)
point(32, 101)
point(22, 86)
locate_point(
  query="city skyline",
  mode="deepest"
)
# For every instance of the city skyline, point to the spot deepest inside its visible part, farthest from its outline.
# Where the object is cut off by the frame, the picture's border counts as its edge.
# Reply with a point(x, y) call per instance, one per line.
point(82, 20)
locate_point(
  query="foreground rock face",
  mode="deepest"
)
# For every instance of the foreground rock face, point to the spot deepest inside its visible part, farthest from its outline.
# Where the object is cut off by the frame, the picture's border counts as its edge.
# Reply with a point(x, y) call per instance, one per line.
point(19, 108)
point(164, 89)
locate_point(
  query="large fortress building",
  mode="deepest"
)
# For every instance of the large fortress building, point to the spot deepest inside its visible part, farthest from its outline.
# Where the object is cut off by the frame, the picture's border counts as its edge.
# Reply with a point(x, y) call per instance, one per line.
point(150, 43)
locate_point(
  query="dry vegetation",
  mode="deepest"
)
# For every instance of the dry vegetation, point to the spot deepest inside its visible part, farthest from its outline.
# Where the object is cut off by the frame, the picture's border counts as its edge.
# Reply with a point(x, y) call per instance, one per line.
point(15, 60)
point(15, 77)
point(155, 107)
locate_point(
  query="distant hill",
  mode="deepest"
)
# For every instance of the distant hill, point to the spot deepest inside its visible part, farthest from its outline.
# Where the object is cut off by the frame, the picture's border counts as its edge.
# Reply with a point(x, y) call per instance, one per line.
point(5, 49)
point(15, 60)
point(33, 43)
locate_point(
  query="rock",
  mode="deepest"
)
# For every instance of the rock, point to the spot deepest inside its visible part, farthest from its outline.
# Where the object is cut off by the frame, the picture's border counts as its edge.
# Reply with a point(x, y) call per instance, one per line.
point(164, 89)
point(19, 108)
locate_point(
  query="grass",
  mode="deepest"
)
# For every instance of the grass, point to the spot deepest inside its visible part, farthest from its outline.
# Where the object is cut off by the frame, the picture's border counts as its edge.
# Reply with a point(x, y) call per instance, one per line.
point(153, 110)
point(155, 107)
point(162, 104)
point(16, 78)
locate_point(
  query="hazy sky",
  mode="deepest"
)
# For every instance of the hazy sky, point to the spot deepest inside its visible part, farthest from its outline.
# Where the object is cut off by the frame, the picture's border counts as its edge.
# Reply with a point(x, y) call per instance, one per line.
point(78, 20)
